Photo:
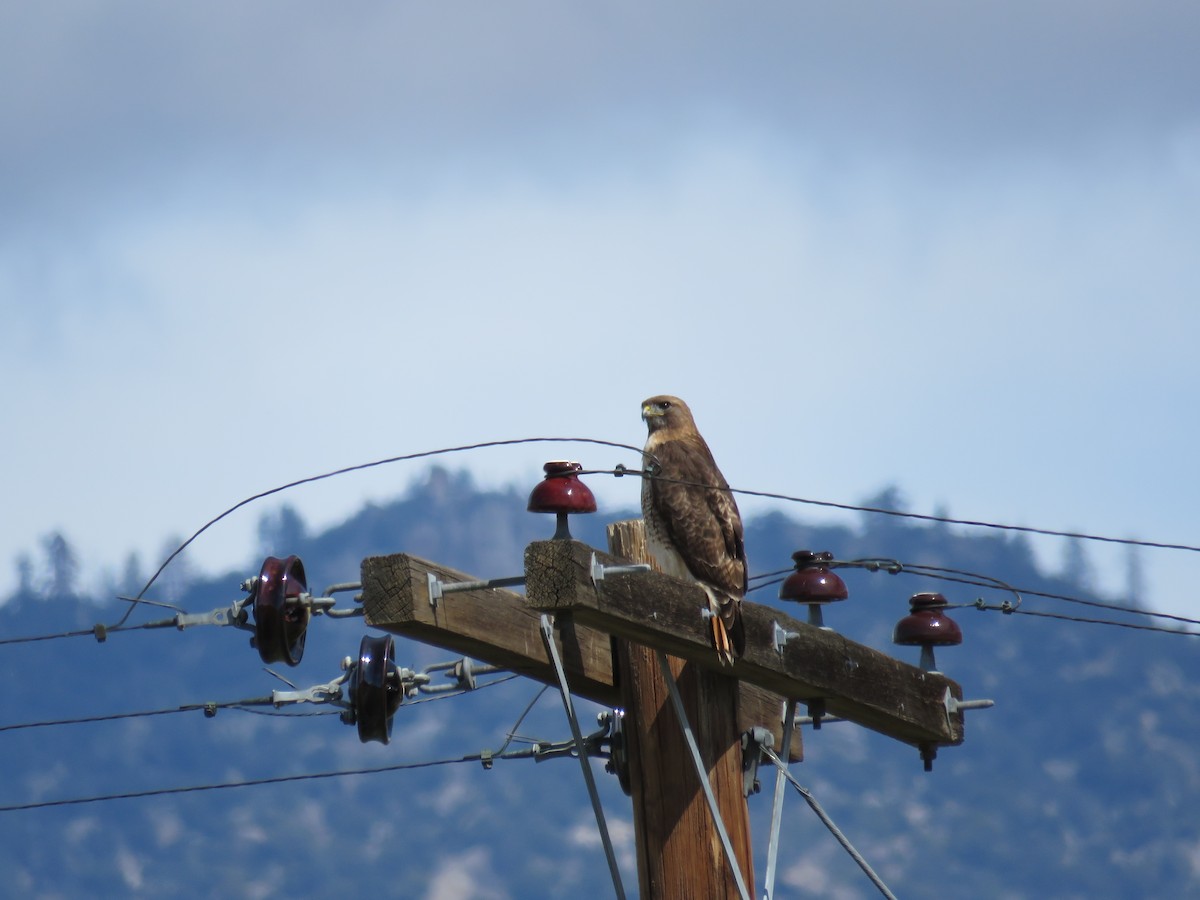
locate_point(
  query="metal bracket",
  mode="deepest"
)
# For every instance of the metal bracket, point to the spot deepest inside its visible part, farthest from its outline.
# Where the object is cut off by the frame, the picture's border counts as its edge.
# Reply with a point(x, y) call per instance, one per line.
point(439, 588)
point(816, 709)
point(782, 636)
point(752, 743)
point(618, 748)
point(824, 720)
point(599, 571)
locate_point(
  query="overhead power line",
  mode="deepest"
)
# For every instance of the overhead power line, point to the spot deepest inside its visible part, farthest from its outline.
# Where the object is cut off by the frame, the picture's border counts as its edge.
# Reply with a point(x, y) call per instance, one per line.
point(358, 468)
point(253, 782)
point(946, 520)
point(238, 706)
point(618, 471)
point(959, 576)
point(542, 750)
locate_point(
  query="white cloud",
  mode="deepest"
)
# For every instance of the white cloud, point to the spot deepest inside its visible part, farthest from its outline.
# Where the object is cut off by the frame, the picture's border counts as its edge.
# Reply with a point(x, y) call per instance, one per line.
point(585, 833)
point(466, 876)
point(130, 867)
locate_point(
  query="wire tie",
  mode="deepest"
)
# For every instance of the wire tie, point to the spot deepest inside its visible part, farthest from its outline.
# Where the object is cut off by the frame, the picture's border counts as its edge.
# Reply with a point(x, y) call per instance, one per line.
point(101, 632)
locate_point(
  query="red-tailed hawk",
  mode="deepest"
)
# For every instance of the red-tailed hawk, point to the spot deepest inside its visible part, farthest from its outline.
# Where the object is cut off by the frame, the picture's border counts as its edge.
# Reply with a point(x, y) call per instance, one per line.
point(694, 533)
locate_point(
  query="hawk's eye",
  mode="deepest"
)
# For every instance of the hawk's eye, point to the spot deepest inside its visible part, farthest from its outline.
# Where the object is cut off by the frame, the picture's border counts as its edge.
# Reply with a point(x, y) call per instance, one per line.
point(666, 404)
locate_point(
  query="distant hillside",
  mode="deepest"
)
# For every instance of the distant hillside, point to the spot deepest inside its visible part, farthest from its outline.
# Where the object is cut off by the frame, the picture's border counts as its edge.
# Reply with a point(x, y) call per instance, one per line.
point(1079, 783)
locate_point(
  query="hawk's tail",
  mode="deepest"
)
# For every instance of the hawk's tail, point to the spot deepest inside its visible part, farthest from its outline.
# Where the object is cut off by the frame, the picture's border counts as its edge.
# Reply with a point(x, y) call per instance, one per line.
point(728, 632)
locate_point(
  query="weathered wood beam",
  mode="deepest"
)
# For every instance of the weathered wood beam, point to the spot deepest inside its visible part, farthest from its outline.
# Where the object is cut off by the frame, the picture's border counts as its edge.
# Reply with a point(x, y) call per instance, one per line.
point(496, 626)
point(855, 682)
point(488, 624)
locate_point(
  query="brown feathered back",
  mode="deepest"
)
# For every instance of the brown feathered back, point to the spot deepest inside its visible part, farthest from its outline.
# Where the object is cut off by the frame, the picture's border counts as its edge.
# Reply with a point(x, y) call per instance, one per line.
point(702, 526)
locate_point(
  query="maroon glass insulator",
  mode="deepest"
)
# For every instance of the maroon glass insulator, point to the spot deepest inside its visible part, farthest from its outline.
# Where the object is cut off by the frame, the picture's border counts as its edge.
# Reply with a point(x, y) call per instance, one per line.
point(813, 583)
point(927, 626)
point(375, 688)
point(562, 493)
point(280, 621)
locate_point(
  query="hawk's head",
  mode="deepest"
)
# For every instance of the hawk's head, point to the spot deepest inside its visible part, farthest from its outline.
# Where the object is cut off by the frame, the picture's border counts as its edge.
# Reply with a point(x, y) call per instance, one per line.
point(664, 411)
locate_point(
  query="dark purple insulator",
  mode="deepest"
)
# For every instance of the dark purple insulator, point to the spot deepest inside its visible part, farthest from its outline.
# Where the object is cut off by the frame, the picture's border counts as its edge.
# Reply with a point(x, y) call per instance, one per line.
point(561, 492)
point(927, 624)
point(812, 582)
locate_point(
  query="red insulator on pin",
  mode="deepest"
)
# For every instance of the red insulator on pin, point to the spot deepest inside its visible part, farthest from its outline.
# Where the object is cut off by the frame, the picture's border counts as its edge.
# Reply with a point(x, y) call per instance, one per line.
point(562, 493)
point(927, 626)
point(813, 584)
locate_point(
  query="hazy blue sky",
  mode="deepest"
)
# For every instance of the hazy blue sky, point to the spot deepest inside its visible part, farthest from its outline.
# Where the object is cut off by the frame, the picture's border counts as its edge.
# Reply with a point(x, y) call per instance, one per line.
point(950, 246)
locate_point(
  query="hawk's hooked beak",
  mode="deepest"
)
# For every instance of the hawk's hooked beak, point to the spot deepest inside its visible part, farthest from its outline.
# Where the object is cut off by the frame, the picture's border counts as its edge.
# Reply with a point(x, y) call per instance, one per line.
point(649, 411)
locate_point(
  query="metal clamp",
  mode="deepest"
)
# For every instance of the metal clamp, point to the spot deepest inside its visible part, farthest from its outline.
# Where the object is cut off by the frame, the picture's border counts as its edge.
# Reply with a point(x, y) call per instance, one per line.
point(595, 745)
point(329, 692)
point(463, 671)
point(235, 614)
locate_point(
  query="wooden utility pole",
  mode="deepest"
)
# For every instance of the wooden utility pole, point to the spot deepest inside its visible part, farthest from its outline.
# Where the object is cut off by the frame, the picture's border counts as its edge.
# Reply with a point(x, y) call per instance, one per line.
point(679, 854)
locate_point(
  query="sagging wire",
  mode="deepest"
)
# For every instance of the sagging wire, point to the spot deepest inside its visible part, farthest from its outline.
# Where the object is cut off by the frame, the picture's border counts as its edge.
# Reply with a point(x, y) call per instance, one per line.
point(974, 579)
point(512, 732)
point(210, 709)
point(543, 750)
point(1160, 629)
point(652, 470)
point(459, 693)
point(33, 638)
point(253, 782)
point(86, 720)
point(1098, 604)
point(895, 567)
point(876, 510)
point(423, 454)
point(829, 823)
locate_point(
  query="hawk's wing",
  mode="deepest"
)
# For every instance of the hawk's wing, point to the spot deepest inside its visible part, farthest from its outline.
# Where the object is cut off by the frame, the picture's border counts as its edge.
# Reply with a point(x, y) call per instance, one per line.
point(702, 524)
